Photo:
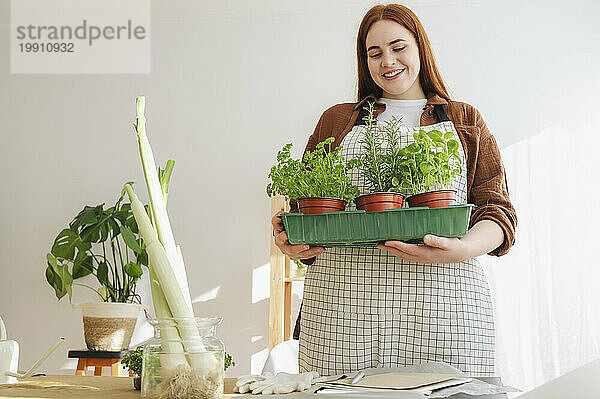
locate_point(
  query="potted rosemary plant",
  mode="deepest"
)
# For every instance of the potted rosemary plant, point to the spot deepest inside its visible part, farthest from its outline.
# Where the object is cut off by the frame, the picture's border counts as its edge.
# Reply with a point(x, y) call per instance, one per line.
point(431, 162)
point(104, 243)
point(319, 184)
point(381, 162)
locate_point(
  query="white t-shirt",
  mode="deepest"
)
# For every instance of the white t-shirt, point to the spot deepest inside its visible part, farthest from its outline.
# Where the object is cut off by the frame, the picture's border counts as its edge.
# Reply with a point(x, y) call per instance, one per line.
point(409, 110)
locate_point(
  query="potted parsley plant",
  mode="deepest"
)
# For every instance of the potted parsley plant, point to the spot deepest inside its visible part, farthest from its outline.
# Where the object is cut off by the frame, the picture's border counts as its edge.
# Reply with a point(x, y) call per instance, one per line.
point(320, 183)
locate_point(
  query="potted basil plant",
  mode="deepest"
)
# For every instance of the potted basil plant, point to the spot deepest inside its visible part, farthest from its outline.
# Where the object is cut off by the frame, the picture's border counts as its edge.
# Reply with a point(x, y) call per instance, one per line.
point(320, 183)
point(103, 243)
point(380, 162)
point(430, 164)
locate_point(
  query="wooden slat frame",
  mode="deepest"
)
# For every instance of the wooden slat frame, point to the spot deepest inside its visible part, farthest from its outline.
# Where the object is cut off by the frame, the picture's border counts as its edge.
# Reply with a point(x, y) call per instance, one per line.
point(280, 305)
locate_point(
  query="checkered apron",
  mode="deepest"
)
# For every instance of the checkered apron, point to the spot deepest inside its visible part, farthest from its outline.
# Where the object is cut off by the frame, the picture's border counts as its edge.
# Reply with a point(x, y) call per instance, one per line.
point(363, 307)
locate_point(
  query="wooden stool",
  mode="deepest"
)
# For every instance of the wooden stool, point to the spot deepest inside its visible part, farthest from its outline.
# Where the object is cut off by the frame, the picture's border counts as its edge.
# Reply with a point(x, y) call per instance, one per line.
point(98, 360)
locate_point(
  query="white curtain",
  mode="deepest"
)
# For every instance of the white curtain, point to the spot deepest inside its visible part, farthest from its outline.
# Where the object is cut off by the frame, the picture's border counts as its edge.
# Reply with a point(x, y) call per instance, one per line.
point(547, 288)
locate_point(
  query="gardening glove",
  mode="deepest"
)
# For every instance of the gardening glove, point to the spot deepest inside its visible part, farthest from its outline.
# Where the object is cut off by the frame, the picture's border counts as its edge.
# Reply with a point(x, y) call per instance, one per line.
point(281, 383)
point(242, 384)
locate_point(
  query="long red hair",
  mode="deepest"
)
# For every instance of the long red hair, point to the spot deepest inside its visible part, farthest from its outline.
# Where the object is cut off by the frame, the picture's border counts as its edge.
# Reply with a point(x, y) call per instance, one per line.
point(429, 76)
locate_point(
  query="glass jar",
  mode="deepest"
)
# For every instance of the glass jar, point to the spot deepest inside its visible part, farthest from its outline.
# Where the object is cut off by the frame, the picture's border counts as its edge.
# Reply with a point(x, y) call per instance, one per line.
point(185, 359)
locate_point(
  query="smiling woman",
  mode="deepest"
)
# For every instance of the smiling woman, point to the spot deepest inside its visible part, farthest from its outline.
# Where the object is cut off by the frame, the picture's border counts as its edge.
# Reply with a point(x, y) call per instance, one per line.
point(391, 39)
point(400, 304)
point(394, 66)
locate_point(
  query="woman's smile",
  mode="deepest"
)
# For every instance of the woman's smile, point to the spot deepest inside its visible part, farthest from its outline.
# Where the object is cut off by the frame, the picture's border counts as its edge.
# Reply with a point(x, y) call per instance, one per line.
point(393, 74)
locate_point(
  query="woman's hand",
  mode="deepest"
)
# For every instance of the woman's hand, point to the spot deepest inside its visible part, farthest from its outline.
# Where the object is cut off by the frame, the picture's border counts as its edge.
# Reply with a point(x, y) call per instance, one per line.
point(482, 238)
point(436, 250)
point(301, 251)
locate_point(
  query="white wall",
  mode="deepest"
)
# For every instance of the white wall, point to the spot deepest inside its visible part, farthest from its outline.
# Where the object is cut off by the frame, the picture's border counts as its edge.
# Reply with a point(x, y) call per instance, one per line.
point(232, 82)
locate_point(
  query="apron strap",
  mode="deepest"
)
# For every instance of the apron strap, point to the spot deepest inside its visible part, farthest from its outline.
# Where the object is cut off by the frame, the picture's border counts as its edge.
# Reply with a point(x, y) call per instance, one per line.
point(438, 110)
point(440, 114)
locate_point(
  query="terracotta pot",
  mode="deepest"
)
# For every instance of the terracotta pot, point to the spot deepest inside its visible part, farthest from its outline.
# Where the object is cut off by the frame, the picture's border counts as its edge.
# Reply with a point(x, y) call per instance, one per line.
point(317, 205)
point(433, 199)
point(379, 201)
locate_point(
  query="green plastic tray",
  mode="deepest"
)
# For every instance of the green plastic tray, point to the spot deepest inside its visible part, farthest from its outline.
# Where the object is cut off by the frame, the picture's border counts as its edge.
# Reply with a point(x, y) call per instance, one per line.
point(366, 229)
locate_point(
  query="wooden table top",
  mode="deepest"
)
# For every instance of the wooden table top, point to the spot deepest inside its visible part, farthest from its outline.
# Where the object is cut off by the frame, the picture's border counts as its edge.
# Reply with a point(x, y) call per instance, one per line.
point(90, 387)
point(86, 387)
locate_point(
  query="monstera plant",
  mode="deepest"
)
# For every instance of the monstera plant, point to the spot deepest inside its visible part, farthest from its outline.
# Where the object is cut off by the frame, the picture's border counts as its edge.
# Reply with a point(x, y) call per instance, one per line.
point(101, 242)
point(104, 243)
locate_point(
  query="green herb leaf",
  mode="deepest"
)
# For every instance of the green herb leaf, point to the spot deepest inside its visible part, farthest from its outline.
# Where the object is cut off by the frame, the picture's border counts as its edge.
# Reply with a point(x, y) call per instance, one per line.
point(429, 180)
point(413, 148)
point(434, 134)
point(453, 145)
point(426, 167)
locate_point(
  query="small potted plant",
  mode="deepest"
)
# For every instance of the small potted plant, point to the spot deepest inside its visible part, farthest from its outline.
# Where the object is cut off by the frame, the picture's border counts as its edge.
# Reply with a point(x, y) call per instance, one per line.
point(133, 361)
point(320, 183)
point(431, 162)
point(380, 163)
point(104, 243)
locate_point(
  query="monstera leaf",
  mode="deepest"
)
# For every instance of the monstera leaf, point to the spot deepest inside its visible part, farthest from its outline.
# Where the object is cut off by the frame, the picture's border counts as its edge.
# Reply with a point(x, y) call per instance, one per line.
point(66, 244)
point(129, 239)
point(59, 277)
point(89, 215)
point(83, 265)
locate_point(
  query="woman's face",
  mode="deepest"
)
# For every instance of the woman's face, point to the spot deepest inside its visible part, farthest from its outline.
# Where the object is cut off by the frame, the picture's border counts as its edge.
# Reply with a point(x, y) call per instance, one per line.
point(393, 60)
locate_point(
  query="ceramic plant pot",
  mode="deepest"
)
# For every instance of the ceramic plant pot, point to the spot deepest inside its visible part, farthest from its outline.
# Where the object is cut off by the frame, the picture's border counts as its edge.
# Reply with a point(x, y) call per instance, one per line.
point(317, 205)
point(433, 199)
point(108, 326)
point(379, 201)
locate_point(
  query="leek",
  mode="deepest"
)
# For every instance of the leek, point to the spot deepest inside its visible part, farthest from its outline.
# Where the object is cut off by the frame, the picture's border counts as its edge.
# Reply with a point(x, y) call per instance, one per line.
point(172, 347)
point(161, 267)
point(169, 284)
point(157, 201)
